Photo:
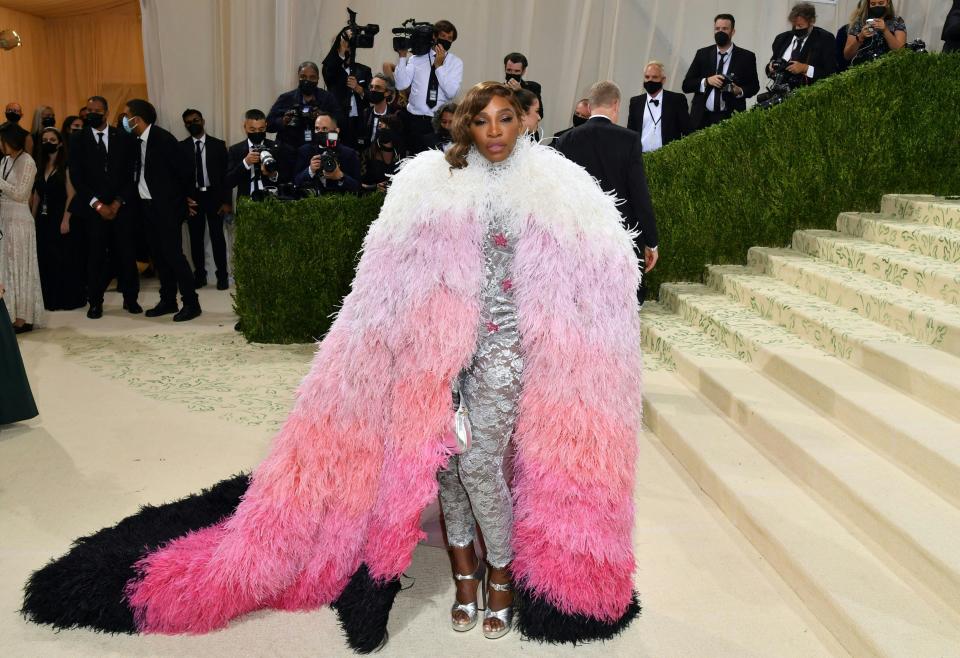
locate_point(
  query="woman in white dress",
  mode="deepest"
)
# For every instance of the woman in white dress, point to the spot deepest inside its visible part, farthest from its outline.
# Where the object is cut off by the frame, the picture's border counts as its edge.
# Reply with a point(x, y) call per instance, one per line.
point(19, 270)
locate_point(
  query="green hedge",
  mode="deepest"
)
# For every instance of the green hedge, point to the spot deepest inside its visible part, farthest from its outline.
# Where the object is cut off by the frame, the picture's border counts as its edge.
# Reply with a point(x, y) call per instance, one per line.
point(294, 261)
point(889, 126)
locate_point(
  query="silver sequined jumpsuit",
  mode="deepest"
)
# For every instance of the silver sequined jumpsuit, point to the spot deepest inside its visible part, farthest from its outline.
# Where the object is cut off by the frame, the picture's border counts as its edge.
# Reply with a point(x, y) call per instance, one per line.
point(473, 489)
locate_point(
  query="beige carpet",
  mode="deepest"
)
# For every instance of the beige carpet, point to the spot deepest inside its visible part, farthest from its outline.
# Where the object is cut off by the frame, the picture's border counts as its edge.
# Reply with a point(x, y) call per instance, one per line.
point(137, 411)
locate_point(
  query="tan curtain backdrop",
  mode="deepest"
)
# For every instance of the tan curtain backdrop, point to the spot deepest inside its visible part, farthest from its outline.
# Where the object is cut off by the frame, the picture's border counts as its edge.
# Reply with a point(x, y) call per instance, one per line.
point(67, 58)
point(232, 55)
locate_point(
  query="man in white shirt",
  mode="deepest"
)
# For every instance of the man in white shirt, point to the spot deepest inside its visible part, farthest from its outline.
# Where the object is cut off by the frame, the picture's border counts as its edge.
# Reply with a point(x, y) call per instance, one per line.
point(433, 79)
point(660, 116)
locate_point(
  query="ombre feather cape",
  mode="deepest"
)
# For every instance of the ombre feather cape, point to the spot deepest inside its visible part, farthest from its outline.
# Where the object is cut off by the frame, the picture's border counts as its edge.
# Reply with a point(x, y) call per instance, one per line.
point(332, 515)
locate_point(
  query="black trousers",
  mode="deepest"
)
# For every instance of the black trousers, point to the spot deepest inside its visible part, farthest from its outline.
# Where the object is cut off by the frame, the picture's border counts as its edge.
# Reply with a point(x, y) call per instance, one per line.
point(119, 236)
point(164, 231)
point(208, 203)
point(417, 131)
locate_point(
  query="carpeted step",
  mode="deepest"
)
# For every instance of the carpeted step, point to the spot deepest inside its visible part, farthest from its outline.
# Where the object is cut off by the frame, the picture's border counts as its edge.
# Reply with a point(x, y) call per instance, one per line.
point(923, 209)
point(927, 374)
point(928, 320)
point(932, 241)
point(867, 607)
point(922, 274)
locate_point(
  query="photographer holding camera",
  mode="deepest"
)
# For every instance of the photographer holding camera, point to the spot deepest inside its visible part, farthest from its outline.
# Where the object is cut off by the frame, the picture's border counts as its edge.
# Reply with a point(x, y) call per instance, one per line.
point(292, 114)
point(430, 72)
point(376, 112)
point(326, 165)
point(805, 54)
point(348, 83)
point(514, 68)
point(874, 30)
point(721, 77)
point(257, 162)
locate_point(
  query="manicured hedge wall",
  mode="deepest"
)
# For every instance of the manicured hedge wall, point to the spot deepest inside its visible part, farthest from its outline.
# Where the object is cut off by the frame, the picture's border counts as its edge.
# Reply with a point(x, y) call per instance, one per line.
point(889, 126)
point(294, 261)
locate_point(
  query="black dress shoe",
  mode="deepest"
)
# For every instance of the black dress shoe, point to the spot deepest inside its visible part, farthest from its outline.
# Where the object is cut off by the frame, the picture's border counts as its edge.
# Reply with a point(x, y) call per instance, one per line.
point(199, 280)
point(188, 312)
point(23, 328)
point(132, 307)
point(163, 308)
point(222, 284)
point(95, 312)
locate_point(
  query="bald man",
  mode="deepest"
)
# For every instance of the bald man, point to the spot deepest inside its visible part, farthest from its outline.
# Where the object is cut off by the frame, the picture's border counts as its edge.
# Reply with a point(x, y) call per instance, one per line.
point(660, 116)
point(14, 113)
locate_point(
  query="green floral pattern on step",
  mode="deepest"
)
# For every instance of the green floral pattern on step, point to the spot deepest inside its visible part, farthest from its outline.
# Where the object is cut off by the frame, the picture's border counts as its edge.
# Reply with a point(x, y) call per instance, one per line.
point(241, 382)
point(923, 209)
point(932, 241)
point(663, 332)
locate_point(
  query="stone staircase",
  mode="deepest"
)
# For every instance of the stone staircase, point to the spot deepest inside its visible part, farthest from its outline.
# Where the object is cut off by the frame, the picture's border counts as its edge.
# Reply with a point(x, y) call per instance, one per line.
point(814, 394)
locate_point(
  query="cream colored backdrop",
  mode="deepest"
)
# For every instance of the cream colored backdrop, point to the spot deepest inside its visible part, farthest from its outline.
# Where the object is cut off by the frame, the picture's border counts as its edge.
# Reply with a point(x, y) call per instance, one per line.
point(225, 56)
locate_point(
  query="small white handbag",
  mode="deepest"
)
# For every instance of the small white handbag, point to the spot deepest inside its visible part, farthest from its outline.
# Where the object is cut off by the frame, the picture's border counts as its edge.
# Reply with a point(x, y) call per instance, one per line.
point(461, 421)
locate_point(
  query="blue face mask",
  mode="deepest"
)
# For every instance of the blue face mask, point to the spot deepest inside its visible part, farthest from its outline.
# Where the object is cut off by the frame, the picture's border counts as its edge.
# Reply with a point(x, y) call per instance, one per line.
point(126, 124)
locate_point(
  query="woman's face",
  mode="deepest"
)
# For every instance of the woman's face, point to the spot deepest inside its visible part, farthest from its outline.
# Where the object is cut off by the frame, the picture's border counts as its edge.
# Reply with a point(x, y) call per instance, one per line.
point(495, 129)
point(50, 138)
point(531, 120)
point(76, 125)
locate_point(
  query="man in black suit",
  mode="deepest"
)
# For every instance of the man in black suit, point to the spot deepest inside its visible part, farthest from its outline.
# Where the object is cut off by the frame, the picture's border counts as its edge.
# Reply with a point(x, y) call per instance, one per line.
point(614, 156)
point(710, 71)
point(807, 50)
point(581, 112)
point(514, 68)
point(292, 114)
point(951, 29)
point(345, 177)
point(376, 111)
point(211, 194)
point(101, 170)
point(660, 116)
point(348, 84)
point(245, 171)
point(162, 177)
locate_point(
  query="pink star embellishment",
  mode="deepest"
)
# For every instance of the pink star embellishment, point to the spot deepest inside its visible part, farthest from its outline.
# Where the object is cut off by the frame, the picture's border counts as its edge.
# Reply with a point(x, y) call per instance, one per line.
point(500, 240)
point(493, 327)
point(506, 284)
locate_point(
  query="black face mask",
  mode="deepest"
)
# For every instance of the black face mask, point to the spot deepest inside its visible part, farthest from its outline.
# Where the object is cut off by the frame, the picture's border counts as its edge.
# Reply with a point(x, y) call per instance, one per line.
point(255, 138)
point(801, 34)
point(195, 129)
point(376, 97)
point(13, 117)
point(652, 87)
point(447, 45)
point(444, 134)
point(48, 122)
point(877, 12)
point(514, 76)
point(307, 87)
point(578, 120)
point(49, 148)
point(385, 139)
point(93, 119)
point(722, 38)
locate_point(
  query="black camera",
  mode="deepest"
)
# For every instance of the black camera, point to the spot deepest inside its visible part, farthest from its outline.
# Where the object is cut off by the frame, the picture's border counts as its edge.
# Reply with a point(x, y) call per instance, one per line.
point(778, 66)
point(729, 82)
point(267, 161)
point(327, 150)
point(413, 36)
point(361, 36)
point(301, 116)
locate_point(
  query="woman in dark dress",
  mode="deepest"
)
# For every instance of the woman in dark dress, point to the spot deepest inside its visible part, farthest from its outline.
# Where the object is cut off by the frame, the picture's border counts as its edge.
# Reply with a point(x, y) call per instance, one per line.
point(60, 249)
point(16, 400)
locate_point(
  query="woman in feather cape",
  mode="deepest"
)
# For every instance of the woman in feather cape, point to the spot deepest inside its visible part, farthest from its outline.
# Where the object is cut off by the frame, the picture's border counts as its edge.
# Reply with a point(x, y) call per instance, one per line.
point(332, 515)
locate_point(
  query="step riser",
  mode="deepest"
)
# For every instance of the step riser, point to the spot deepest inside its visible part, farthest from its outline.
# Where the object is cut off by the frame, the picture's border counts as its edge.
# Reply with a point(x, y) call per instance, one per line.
point(936, 285)
point(936, 332)
point(930, 212)
point(880, 359)
point(791, 458)
point(941, 247)
point(815, 596)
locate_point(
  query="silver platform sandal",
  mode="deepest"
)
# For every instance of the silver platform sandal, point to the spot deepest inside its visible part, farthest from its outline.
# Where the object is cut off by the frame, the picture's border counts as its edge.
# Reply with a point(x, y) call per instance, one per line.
point(469, 608)
point(505, 616)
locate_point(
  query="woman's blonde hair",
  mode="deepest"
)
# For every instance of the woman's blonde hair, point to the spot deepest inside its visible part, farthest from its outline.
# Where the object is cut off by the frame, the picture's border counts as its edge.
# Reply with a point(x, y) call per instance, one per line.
point(473, 104)
point(862, 12)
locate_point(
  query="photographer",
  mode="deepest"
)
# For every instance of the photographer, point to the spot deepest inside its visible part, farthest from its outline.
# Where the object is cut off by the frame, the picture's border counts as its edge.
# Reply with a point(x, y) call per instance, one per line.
point(432, 78)
point(249, 169)
point(325, 164)
point(660, 116)
point(804, 54)
point(874, 30)
point(721, 77)
point(380, 160)
point(292, 114)
point(514, 68)
point(349, 86)
point(376, 111)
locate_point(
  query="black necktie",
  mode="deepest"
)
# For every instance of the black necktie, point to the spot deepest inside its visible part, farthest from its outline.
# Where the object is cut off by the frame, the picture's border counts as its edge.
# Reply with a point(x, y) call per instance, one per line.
point(198, 163)
point(433, 87)
point(655, 101)
point(717, 99)
point(102, 148)
point(139, 163)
